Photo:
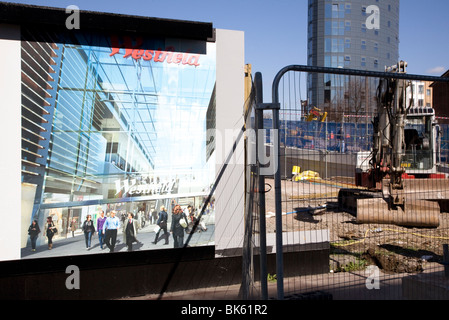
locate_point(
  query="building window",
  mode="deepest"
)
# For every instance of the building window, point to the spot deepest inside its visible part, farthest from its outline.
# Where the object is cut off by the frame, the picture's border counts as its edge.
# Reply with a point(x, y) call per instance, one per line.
point(348, 8)
point(333, 45)
point(328, 28)
point(376, 63)
point(310, 31)
point(341, 28)
point(421, 89)
point(363, 46)
point(347, 43)
point(363, 27)
point(328, 11)
point(338, 45)
point(334, 11)
point(327, 44)
point(327, 80)
point(327, 95)
point(327, 61)
point(347, 26)
point(334, 28)
point(336, 61)
point(363, 62)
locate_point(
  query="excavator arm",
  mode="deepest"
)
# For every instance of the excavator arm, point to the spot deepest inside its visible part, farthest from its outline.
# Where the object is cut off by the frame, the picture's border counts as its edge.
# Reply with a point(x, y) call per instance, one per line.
point(390, 197)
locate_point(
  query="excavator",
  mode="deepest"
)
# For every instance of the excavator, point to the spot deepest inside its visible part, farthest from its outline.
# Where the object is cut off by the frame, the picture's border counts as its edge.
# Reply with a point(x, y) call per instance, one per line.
point(398, 182)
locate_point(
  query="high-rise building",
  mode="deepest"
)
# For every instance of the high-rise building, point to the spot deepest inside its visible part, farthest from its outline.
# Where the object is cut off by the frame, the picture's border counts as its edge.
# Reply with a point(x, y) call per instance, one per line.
point(355, 34)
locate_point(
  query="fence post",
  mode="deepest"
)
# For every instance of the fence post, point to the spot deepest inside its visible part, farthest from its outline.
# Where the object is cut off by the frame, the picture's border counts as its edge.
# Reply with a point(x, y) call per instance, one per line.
point(261, 188)
point(277, 188)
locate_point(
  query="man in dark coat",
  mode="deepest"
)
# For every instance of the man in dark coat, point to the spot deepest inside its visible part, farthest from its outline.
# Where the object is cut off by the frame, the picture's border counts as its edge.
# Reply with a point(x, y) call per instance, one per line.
point(162, 222)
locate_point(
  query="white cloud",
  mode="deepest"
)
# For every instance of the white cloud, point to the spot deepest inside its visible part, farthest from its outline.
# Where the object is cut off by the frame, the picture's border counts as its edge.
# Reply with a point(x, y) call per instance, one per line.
point(437, 70)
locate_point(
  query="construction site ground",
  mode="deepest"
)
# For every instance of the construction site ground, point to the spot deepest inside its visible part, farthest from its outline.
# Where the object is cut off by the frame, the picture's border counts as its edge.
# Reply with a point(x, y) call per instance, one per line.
point(313, 205)
point(397, 252)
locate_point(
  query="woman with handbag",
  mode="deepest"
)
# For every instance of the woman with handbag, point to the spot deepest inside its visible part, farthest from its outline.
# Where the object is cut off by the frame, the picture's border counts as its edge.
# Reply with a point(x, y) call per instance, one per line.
point(50, 230)
point(178, 224)
point(88, 229)
point(162, 223)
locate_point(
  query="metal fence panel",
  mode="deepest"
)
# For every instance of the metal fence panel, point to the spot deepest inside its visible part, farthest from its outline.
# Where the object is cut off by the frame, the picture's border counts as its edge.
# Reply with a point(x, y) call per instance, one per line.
point(325, 148)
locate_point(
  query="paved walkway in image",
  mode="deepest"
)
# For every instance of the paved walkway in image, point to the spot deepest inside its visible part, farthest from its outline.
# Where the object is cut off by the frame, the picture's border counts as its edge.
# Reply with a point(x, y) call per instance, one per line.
point(77, 245)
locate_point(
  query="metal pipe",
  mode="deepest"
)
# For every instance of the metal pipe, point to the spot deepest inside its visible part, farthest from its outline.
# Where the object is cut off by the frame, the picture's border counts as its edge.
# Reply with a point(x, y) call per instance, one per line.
point(277, 189)
point(261, 187)
point(354, 72)
point(278, 197)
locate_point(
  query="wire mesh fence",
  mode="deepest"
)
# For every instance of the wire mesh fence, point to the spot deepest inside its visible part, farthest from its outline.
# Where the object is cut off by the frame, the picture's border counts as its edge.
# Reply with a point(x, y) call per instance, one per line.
point(327, 151)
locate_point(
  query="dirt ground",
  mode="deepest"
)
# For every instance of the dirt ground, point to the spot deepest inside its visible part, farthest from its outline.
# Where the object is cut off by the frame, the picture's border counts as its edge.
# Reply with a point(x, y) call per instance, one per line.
point(313, 205)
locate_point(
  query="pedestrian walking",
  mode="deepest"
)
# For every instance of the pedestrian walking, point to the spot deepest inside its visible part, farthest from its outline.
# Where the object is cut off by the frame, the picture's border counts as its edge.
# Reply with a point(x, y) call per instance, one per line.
point(34, 231)
point(50, 230)
point(88, 229)
point(191, 223)
point(178, 225)
point(162, 222)
point(141, 219)
point(153, 216)
point(130, 231)
point(73, 227)
point(100, 223)
point(110, 228)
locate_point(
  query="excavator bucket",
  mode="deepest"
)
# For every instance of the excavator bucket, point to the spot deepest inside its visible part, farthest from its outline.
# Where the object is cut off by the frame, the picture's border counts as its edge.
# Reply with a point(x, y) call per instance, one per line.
point(426, 189)
point(415, 213)
point(422, 200)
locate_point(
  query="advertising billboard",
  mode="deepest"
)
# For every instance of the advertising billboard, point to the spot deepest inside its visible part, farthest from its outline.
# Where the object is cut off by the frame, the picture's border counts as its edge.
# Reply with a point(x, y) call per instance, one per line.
point(114, 136)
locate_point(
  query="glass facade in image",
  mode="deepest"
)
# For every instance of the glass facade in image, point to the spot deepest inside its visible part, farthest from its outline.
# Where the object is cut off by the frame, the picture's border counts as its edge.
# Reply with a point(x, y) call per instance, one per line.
point(115, 122)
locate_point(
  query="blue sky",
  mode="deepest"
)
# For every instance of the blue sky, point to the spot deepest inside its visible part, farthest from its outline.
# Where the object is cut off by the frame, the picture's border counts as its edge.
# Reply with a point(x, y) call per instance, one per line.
point(276, 31)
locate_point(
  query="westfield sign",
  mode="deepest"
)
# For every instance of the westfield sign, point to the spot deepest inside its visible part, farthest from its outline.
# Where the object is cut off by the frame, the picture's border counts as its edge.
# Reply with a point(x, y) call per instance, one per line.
point(133, 49)
point(145, 186)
